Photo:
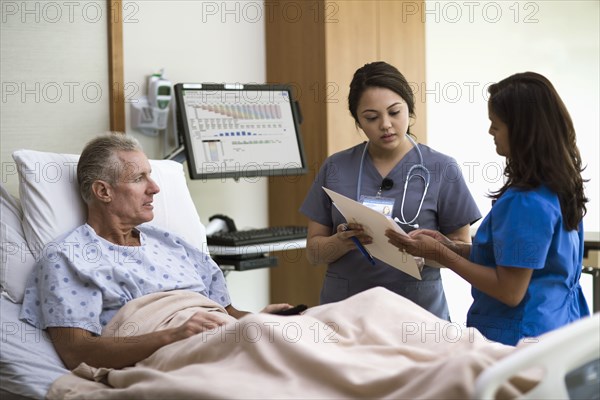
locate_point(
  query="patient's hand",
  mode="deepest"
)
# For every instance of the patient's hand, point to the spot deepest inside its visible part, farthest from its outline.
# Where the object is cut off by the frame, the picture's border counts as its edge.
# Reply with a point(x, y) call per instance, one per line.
point(198, 323)
point(271, 308)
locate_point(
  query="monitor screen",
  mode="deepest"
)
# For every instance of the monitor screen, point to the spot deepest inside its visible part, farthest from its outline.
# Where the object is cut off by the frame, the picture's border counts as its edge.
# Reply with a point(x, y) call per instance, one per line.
point(239, 130)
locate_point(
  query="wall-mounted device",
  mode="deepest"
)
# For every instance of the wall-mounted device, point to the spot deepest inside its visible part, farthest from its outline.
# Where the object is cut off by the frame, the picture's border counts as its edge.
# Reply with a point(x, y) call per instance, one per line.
point(159, 91)
point(150, 114)
point(237, 130)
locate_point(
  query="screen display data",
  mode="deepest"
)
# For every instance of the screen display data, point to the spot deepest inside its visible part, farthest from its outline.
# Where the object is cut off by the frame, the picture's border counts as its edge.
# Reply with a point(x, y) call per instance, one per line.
point(241, 132)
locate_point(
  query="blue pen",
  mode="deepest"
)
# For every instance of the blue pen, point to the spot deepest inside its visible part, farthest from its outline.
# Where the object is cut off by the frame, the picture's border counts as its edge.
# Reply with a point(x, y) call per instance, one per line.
point(361, 248)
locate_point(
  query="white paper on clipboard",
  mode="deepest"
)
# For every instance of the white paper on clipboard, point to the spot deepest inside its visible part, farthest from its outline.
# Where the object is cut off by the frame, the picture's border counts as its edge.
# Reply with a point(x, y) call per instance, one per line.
point(375, 225)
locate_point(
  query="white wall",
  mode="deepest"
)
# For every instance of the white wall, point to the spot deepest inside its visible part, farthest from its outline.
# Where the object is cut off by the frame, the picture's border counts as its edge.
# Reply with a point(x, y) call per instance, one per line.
point(54, 72)
point(472, 44)
point(204, 41)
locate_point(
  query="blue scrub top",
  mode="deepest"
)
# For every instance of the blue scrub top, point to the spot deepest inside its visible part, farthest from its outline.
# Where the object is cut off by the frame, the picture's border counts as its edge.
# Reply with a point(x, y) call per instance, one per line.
point(448, 205)
point(525, 229)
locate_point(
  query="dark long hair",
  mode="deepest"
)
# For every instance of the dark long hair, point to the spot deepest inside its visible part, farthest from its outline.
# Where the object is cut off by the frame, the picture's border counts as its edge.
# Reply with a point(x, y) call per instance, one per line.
point(542, 141)
point(382, 75)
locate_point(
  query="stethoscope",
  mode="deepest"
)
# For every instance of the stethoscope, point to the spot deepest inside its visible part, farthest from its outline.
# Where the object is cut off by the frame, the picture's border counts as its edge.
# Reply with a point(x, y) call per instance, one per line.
point(412, 173)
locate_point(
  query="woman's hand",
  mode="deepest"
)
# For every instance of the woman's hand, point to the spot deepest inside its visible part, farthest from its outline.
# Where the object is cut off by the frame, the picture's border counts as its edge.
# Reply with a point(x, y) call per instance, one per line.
point(449, 243)
point(407, 243)
point(345, 232)
point(424, 243)
point(323, 247)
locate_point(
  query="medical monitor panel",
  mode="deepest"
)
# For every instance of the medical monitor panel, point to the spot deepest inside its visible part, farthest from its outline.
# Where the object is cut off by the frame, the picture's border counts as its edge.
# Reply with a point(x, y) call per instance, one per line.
point(239, 130)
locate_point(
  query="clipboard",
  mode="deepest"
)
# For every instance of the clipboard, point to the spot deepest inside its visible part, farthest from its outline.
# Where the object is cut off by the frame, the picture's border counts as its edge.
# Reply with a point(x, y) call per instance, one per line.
point(375, 225)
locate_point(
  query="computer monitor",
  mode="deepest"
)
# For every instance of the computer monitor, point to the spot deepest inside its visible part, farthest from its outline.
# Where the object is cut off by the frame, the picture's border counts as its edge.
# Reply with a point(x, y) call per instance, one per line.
point(236, 130)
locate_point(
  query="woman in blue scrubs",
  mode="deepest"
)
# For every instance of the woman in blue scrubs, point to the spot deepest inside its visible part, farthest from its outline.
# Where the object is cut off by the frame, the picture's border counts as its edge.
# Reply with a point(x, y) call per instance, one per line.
point(525, 260)
point(393, 174)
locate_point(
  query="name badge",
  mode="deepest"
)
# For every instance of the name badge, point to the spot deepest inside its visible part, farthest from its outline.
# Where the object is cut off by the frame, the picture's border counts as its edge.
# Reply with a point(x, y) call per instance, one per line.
point(383, 205)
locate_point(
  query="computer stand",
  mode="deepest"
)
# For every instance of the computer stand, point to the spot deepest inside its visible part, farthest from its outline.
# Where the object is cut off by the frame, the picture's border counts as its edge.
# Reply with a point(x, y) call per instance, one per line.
point(244, 258)
point(177, 155)
point(255, 261)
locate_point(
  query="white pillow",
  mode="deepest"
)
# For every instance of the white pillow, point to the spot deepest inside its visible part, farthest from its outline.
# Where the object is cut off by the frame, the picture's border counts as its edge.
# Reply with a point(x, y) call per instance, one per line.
point(52, 205)
point(17, 259)
point(29, 363)
point(49, 196)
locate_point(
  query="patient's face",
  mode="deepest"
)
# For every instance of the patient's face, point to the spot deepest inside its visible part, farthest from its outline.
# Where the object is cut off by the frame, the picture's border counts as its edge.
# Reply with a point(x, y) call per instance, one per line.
point(133, 193)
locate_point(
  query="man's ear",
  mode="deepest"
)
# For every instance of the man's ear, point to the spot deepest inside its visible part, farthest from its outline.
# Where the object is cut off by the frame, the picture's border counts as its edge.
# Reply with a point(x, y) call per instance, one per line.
point(102, 191)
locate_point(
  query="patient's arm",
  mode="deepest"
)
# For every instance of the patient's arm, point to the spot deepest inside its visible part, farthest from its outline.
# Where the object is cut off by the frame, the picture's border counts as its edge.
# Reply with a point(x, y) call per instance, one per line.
point(271, 308)
point(75, 345)
point(234, 312)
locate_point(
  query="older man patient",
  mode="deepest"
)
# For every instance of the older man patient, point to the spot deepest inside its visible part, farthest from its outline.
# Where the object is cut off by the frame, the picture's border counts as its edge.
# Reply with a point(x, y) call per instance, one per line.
point(115, 257)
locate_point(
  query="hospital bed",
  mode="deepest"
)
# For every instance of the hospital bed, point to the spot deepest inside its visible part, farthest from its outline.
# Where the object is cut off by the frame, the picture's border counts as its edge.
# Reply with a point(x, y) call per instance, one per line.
point(404, 359)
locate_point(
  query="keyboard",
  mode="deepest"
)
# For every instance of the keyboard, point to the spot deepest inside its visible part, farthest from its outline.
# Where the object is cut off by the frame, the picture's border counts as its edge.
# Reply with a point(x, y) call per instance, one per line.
point(257, 236)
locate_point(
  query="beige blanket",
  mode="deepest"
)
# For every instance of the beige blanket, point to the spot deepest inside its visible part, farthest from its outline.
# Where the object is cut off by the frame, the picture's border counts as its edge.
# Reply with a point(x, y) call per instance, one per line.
point(373, 345)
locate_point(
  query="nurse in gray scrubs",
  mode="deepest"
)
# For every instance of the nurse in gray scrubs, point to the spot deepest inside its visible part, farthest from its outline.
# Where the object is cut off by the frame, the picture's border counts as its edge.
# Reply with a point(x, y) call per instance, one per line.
point(409, 182)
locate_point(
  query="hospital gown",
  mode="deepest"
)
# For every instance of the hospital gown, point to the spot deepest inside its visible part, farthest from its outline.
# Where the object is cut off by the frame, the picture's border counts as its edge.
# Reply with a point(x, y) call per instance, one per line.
point(83, 279)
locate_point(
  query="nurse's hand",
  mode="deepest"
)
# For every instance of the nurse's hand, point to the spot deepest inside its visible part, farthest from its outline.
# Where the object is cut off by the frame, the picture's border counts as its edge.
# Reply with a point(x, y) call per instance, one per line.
point(345, 232)
point(420, 243)
point(436, 235)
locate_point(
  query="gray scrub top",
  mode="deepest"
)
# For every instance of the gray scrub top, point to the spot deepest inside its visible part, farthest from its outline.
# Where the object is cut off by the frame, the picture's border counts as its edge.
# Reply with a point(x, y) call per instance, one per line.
point(448, 205)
